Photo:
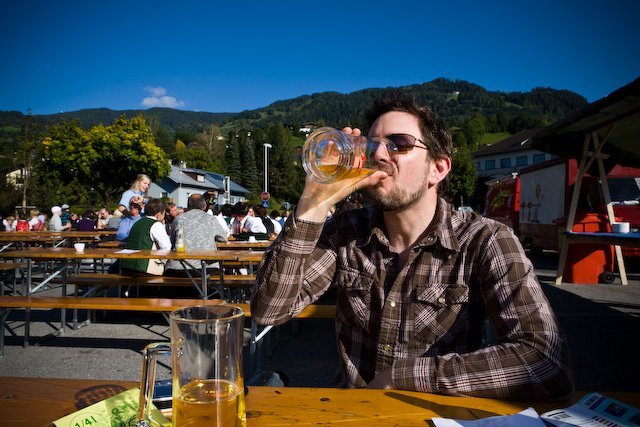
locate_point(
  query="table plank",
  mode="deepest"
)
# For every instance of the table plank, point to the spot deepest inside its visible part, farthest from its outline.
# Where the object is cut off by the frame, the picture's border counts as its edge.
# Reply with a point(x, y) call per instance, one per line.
point(39, 401)
point(237, 244)
point(91, 253)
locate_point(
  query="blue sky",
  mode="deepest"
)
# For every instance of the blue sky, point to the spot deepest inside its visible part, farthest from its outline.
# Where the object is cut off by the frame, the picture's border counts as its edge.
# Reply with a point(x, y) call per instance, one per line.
point(231, 56)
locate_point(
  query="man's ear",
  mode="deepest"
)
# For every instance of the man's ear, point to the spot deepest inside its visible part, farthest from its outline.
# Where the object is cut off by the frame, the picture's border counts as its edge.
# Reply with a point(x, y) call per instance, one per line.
point(441, 168)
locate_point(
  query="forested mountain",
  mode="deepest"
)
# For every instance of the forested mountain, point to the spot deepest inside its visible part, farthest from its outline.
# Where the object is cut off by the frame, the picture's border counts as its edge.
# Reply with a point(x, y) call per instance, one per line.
point(232, 143)
point(455, 101)
point(168, 117)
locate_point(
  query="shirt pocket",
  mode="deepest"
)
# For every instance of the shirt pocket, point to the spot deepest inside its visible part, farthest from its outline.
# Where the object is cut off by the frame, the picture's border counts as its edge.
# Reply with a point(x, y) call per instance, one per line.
point(440, 312)
point(354, 291)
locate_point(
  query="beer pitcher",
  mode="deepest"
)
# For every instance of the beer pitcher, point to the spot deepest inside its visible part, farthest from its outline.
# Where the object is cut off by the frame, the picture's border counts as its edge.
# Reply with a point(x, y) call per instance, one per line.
point(207, 378)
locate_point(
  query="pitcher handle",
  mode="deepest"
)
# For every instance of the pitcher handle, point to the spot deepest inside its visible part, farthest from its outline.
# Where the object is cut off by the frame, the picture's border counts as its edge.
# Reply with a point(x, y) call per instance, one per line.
point(148, 380)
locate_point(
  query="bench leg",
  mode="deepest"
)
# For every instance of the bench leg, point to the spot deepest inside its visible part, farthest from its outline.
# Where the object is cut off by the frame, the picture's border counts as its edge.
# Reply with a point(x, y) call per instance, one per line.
point(4, 313)
point(63, 320)
point(27, 326)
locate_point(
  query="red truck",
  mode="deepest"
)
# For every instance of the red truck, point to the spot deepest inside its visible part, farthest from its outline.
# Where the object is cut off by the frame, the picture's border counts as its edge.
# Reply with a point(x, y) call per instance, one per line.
point(535, 203)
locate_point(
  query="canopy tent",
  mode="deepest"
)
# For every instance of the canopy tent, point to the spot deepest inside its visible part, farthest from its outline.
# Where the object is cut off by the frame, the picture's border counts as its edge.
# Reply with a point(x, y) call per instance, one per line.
point(615, 119)
point(600, 135)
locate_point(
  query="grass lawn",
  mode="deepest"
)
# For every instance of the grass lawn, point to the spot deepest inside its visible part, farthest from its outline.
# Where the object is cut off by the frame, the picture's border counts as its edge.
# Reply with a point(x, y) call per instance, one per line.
point(492, 138)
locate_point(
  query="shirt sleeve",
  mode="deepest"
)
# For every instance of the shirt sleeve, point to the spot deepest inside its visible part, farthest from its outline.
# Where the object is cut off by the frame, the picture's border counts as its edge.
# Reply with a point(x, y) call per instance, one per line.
point(160, 236)
point(123, 230)
point(530, 359)
point(293, 274)
point(55, 224)
point(126, 198)
point(218, 229)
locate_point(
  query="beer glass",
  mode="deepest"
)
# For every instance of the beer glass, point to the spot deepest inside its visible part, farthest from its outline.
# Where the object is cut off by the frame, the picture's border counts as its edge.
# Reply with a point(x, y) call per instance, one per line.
point(207, 379)
point(329, 155)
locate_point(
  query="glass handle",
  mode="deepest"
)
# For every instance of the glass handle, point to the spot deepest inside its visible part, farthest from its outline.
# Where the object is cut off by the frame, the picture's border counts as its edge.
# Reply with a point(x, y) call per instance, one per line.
point(148, 380)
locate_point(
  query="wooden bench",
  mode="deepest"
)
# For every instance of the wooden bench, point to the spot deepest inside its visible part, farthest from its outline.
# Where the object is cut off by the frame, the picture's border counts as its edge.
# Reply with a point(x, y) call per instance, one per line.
point(8, 266)
point(120, 279)
point(223, 283)
point(142, 304)
point(111, 244)
point(164, 305)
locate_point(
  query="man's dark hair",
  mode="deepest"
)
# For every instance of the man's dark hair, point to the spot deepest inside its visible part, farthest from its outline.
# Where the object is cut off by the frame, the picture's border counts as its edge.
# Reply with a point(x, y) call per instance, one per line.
point(260, 210)
point(134, 205)
point(227, 209)
point(435, 136)
point(154, 206)
point(240, 209)
point(196, 201)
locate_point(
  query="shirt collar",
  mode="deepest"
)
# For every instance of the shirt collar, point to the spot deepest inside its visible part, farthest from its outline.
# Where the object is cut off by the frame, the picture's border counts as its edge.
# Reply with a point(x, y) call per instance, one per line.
point(442, 229)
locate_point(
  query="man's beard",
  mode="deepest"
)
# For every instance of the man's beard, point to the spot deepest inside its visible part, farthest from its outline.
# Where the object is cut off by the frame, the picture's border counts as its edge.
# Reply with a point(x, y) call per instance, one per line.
point(397, 199)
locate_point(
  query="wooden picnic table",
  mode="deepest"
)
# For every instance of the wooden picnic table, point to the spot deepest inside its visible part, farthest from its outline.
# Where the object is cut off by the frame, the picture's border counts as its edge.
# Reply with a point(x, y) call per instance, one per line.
point(69, 254)
point(65, 233)
point(243, 244)
point(40, 401)
point(9, 239)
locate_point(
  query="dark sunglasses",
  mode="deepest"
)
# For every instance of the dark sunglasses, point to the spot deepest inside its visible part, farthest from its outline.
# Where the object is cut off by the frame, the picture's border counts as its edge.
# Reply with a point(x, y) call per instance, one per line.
point(399, 142)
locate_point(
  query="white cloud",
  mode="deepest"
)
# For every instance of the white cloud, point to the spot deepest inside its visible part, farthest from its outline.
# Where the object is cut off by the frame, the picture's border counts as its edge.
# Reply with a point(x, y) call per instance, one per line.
point(159, 98)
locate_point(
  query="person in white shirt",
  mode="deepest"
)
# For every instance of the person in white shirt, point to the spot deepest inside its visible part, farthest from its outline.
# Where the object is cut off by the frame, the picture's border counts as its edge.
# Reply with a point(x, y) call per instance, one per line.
point(253, 224)
point(55, 224)
point(275, 219)
point(10, 223)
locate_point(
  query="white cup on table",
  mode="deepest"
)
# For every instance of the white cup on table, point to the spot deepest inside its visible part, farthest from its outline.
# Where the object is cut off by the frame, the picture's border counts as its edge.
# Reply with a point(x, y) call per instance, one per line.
point(79, 247)
point(620, 227)
point(252, 239)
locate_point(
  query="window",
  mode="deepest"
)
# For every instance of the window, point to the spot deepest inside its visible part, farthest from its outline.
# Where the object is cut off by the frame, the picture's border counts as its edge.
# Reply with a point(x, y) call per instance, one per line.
point(521, 161)
point(478, 165)
point(489, 164)
point(505, 163)
point(538, 158)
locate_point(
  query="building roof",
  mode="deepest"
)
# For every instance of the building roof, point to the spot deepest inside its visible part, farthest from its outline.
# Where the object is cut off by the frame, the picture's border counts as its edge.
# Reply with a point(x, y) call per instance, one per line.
point(615, 117)
point(518, 142)
point(211, 180)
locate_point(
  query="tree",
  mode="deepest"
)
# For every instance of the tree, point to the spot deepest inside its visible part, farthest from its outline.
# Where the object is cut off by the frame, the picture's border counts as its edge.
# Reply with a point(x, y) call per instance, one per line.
point(209, 142)
point(179, 153)
point(106, 159)
point(285, 177)
point(462, 179)
point(232, 157)
point(250, 178)
point(198, 158)
point(27, 156)
point(473, 130)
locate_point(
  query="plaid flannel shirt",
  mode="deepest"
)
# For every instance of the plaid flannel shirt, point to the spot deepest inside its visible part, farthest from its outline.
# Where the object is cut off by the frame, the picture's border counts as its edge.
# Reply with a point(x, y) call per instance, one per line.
point(426, 319)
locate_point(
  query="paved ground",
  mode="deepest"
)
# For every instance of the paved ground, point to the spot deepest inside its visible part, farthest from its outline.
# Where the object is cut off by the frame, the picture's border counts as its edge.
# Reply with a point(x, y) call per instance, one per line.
point(601, 321)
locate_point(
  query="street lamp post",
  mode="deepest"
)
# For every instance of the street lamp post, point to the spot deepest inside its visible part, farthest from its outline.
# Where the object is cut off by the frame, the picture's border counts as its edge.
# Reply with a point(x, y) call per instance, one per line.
point(266, 159)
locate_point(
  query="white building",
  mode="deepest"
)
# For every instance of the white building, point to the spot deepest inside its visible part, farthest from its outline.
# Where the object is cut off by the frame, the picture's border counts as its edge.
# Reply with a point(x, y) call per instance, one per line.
point(183, 182)
point(509, 155)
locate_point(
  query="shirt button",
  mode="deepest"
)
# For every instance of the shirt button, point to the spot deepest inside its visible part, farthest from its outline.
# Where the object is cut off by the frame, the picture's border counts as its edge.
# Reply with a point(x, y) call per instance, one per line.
point(442, 301)
point(386, 347)
point(392, 304)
